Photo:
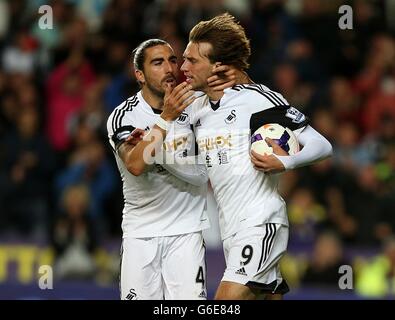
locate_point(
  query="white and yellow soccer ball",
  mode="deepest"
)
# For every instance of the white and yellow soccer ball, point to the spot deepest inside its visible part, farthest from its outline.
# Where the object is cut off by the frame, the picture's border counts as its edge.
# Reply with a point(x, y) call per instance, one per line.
point(284, 137)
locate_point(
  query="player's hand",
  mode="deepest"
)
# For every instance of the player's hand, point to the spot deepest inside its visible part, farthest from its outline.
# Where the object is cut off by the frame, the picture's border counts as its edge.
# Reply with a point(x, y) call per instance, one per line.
point(135, 137)
point(176, 100)
point(269, 163)
point(226, 77)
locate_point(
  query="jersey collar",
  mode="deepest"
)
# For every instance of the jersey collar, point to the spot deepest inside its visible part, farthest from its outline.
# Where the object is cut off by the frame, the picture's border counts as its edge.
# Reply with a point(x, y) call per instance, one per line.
point(216, 105)
point(156, 111)
point(146, 105)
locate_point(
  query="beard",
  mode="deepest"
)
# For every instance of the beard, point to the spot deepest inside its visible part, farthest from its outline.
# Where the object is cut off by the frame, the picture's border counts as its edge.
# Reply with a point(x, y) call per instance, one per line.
point(159, 92)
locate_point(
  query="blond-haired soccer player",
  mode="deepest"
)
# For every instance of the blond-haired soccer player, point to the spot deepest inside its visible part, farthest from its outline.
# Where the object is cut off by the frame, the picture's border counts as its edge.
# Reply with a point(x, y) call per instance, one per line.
point(253, 218)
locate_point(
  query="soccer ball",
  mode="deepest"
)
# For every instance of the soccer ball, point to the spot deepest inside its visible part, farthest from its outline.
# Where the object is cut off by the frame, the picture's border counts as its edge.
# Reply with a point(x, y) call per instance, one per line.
point(284, 137)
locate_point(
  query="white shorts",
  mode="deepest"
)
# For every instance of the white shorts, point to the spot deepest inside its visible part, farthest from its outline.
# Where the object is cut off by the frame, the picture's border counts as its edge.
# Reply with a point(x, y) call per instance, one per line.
point(252, 256)
point(170, 268)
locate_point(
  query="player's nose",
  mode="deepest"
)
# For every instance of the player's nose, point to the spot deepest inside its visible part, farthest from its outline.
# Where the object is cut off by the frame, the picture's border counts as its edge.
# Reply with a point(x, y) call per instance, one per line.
point(184, 66)
point(168, 67)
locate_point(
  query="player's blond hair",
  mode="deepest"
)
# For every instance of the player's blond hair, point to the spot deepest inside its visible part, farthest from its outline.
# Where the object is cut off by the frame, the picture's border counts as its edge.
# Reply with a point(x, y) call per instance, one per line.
point(227, 38)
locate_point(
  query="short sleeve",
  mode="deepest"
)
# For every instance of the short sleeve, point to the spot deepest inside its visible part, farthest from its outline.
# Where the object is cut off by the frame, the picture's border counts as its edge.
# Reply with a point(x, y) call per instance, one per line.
point(285, 115)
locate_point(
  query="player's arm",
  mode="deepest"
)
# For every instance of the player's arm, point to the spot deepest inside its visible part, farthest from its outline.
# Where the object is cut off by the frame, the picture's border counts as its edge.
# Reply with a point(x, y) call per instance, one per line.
point(315, 146)
point(188, 170)
point(137, 158)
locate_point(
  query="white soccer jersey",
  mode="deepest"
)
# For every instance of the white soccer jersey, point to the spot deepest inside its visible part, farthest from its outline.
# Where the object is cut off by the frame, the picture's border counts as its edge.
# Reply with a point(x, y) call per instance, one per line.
point(246, 197)
point(156, 202)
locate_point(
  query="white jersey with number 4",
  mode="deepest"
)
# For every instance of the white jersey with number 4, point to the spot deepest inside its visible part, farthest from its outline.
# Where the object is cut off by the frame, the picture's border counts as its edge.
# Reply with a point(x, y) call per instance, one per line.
point(245, 197)
point(156, 202)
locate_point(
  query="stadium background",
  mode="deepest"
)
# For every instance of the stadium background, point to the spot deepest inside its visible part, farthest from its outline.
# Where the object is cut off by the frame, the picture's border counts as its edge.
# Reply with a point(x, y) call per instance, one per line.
point(58, 86)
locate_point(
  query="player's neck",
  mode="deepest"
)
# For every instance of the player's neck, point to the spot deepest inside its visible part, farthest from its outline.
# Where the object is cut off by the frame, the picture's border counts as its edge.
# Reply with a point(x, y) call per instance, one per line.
point(214, 95)
point(152, 99)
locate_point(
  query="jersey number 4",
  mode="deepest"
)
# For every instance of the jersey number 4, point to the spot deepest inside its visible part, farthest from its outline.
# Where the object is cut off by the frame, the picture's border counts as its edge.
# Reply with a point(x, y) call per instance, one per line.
point(200, 276)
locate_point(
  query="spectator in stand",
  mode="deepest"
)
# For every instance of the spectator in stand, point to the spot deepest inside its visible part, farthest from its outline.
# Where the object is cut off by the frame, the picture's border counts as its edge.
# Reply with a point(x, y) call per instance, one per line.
point(89, 165)
point(74, 236)
point(375, 277)
point(66, 86)
point(29, 164)
point(325, 262)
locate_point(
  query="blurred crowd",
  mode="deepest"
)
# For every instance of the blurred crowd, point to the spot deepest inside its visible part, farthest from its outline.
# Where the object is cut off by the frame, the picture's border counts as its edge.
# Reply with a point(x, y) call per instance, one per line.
point(58, 180)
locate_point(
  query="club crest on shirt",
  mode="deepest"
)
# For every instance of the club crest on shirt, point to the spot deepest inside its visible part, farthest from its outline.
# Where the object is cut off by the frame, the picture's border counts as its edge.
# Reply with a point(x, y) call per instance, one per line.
point(131, 295)
point(231, 117)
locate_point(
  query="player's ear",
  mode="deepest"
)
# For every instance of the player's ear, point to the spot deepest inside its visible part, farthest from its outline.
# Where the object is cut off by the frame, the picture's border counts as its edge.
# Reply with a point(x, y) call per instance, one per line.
point(139, 76)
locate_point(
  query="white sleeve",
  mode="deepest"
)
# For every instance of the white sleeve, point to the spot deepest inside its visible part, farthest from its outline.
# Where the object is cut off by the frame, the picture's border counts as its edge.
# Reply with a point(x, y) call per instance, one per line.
point(315, 148)
point(193, 173)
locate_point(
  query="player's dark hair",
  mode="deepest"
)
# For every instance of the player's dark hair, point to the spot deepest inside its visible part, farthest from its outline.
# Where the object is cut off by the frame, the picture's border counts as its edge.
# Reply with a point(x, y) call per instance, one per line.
point(228, 39)
point(139, 52)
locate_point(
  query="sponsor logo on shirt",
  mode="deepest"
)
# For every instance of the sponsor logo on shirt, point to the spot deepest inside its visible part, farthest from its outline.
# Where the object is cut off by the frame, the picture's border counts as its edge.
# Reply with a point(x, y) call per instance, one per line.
point(211, 143)
point(208, 161)
point(176, 144)
point(223, 157)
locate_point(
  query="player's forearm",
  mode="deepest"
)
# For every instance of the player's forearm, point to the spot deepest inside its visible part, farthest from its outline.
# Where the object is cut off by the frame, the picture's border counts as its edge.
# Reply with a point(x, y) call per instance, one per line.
point(195, 174)
point(315, 148)
point(137, 158)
